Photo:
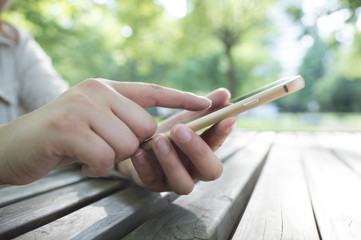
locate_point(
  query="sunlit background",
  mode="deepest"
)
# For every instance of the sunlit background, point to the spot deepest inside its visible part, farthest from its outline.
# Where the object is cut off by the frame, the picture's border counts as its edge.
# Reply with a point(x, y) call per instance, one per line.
point(200, 45)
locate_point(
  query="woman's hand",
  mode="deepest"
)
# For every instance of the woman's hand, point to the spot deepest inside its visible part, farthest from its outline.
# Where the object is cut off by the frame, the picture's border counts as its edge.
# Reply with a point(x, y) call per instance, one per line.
point(174, 166)
point(97, 122)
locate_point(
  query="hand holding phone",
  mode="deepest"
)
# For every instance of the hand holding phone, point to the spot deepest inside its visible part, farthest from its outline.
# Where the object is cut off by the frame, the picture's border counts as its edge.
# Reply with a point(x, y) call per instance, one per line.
point(260, 96)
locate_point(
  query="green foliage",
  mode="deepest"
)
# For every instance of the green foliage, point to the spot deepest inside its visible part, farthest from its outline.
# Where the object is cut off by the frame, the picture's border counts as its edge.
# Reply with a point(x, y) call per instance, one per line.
point(312, 69)
point(198, 73)
point(304, 122)
point(346, 95)
point(339, 90)
point(217, 44)
point(349, 58)
point(333, 80)
point(69, 33)
point(223, 26)
point(139, 41)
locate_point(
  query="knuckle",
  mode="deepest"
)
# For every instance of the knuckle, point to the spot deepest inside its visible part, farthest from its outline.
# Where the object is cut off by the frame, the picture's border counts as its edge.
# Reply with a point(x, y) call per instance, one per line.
point(170, 164)
point(97, 172)
point(215, 174)
point(128, 147)
point(92, 83)
point(149, 127)
point(149, 181)
point(156, 91)
point(185, 189)
point(80, 98)
point(155, 87)
point(107, 158)
point(74, 99)
point(104, 163)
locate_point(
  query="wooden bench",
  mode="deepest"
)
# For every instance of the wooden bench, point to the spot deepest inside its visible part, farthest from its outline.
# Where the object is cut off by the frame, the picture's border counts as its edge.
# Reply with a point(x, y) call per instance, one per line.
point(274, 186)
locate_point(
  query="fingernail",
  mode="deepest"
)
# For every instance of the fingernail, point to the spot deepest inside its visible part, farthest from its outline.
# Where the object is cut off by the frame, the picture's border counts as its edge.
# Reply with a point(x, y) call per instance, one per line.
point(206, 101)
point(139, 156)
point(182, 134)
point(138, 152)
point(162, 144)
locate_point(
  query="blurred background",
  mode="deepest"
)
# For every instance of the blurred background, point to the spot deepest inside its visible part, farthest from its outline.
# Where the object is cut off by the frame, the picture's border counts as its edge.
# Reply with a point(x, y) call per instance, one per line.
point(200, 45)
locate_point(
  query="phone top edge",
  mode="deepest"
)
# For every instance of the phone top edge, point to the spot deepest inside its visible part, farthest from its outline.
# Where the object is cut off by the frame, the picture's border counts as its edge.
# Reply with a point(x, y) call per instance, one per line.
point(285, 80)
point(268, 94)
point(299, 82)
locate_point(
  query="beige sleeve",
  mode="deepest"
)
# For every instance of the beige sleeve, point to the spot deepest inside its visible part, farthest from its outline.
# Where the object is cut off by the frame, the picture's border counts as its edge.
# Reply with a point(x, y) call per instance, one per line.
point(39, 82)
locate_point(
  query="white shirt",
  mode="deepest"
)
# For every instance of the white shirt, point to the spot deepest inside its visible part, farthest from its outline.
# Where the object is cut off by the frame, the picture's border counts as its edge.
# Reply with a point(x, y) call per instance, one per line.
point(27, 77)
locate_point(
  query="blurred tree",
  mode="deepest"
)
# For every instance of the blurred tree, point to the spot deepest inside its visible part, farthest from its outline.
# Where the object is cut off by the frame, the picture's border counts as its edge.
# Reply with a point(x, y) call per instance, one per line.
point(312, 69)
point(86, 39)
point(351, 57)
point(223, 25)
point(333, 81)
point(140, 41)
point(339, 89)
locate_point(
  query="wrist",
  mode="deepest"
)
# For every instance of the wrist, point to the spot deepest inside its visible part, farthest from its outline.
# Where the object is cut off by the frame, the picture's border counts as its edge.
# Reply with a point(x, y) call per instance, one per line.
point(3, 160)
point(8, 171)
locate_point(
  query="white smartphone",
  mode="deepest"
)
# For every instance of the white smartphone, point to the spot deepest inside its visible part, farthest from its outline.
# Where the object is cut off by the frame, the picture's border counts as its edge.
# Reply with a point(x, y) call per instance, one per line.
point(260, 96)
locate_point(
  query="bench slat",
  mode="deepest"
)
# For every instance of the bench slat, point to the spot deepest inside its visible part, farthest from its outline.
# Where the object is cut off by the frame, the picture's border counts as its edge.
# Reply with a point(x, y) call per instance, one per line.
point(236, 141)
point(346, 146)
point(26, 215)
point(212, 209)
point(124, 211)
point(109, 218)
point(279, 207)
point(335, 191)
point(12, 194)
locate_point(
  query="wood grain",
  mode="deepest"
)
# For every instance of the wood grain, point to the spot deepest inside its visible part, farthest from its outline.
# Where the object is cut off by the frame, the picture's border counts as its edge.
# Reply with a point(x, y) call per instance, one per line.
point(59, 178)
point(212, 209)
point(18, 218)
point(335, 191)
point(304, 186)
point(279, 207)
point(346, 146)
point(109, 218)
point(236, 141)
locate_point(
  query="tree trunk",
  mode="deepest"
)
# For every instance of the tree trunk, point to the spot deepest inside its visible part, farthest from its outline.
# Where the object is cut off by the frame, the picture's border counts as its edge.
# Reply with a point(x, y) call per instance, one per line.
point(231, 74)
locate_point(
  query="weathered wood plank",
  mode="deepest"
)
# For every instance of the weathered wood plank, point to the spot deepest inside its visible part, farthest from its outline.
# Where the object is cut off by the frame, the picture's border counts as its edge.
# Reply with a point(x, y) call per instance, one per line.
point(351, 160)
point(211, 210)
point(335, 191)
point(346, 146)
point(54, 171)
point(236, 141)
point(12, 194)
point(64, 168)
point(109, 218)
point(122, 212)
point(279, 207)
point(20, 217)
point(340, 141)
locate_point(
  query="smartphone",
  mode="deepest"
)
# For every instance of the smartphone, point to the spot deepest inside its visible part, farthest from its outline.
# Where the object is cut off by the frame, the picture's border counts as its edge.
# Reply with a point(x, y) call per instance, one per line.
point(260, 96)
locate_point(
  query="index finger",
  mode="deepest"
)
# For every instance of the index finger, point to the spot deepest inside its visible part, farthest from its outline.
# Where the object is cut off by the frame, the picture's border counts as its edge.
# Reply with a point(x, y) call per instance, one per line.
point(219, 98)
point(151, 95)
